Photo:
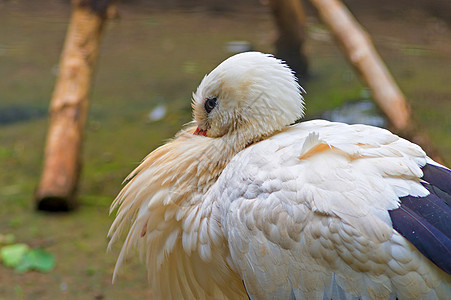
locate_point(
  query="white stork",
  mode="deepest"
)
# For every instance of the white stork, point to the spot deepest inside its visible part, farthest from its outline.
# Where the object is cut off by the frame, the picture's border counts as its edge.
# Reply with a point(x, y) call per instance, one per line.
point(241, 204)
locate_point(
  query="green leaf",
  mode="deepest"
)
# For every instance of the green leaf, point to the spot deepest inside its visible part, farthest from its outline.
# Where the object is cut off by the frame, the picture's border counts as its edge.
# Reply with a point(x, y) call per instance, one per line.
point(24, 266)
point(12, 255)
point(37, 259)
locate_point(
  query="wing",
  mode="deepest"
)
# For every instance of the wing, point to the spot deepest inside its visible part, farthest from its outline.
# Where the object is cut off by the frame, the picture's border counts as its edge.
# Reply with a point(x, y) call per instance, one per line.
point(426, 221)
point(308, 215)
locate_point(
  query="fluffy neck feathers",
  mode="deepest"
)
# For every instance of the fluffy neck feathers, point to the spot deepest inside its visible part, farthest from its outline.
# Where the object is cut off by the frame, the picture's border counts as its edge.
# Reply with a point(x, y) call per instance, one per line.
point(164, 201)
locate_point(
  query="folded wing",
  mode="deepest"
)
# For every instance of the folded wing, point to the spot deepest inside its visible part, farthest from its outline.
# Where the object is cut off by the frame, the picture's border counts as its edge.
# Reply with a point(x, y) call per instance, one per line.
point(326, 210)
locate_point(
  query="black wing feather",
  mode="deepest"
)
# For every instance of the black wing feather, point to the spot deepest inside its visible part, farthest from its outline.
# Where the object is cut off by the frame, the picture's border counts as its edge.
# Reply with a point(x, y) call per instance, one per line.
point(425, 237)
point(431, 209)
point(438, 176)
point(426, 221)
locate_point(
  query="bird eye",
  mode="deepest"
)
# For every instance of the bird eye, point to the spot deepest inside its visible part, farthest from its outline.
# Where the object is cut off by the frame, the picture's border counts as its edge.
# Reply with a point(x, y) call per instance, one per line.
point(210, 103)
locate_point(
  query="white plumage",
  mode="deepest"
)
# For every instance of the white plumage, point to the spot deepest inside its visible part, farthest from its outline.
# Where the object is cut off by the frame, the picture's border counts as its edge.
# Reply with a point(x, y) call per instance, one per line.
point(251, 206)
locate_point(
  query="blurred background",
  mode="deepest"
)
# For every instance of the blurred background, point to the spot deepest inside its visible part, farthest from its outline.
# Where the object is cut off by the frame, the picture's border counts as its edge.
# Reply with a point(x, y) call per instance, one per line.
point(151, 59)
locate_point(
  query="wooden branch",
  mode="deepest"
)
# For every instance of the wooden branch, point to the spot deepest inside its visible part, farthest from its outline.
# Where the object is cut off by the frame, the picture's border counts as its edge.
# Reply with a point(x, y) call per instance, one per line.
point(68, 109)
point(290, 22)
point(359, 50)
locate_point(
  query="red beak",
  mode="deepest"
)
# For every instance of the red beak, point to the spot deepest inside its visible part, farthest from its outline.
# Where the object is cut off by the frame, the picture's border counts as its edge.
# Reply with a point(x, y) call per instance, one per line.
point(200, 132)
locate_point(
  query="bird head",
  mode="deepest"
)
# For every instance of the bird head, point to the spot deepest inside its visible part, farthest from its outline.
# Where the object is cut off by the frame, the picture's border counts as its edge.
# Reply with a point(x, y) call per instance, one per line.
point(250, 94)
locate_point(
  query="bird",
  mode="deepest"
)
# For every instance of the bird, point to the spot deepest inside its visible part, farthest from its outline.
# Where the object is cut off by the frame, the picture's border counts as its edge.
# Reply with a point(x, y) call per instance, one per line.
point(248, 201)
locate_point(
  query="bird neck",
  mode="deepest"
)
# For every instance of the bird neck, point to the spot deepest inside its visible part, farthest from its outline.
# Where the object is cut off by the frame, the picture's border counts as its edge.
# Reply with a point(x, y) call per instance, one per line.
point(167, 194)
point(194, 160)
